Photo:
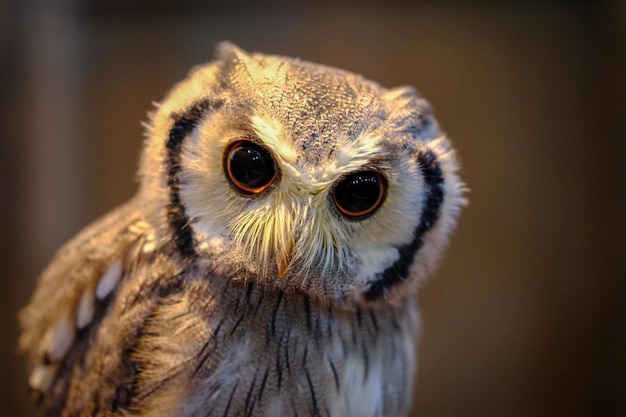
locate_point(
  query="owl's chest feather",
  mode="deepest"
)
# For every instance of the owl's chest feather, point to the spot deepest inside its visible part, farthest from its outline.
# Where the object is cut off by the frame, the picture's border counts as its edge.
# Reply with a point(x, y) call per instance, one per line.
point(256, 353)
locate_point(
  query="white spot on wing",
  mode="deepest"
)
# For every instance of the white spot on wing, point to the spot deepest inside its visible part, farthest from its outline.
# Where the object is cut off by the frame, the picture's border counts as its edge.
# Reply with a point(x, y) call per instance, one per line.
point(109, 279)
point(86, 309)
point(59, 338)
point(41, 377)
point(149, 245)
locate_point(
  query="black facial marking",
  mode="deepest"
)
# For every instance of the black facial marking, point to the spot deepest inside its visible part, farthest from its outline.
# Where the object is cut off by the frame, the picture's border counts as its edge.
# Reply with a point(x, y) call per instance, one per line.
point(183, 126)
point(399, 271)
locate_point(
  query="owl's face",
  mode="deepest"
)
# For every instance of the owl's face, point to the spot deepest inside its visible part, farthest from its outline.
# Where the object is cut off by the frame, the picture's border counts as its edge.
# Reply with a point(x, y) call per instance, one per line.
point(301, 176)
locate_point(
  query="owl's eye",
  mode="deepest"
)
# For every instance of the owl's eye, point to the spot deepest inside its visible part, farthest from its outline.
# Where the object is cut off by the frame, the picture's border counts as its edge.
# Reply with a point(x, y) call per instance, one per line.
point(249, 167)
point(358, 195)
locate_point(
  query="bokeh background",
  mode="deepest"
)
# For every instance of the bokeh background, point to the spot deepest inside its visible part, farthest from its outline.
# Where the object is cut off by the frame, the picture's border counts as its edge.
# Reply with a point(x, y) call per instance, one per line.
point(527, 316)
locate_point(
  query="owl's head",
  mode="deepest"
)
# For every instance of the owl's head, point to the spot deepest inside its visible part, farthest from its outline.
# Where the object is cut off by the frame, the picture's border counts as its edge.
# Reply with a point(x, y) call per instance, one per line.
point(301, 177)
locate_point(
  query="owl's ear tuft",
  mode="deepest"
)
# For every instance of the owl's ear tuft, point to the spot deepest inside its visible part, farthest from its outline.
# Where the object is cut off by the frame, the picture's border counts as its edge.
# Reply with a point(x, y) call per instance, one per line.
point(228, 52)
point(234, 62)
point(403, 94)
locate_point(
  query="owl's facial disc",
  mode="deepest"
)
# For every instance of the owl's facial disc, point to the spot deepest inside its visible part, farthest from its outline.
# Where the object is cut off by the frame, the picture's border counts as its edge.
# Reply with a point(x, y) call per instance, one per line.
point(282, 169)
point(251, 170)
point(283, 216)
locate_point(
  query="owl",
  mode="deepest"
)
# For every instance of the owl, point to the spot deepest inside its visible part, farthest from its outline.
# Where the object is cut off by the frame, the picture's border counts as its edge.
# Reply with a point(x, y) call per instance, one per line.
point(267, 266)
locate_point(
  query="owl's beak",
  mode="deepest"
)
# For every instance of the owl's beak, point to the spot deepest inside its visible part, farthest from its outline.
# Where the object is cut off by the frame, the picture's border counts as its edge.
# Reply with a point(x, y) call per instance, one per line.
point(284, 259)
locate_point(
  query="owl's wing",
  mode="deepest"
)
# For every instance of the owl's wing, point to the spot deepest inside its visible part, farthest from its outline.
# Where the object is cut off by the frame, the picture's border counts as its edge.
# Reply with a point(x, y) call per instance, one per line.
point(77, 283)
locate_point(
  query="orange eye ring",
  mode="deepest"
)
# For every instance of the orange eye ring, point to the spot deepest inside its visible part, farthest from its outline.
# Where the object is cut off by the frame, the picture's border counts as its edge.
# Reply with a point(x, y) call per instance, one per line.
point(358, 195)
point(249, 167)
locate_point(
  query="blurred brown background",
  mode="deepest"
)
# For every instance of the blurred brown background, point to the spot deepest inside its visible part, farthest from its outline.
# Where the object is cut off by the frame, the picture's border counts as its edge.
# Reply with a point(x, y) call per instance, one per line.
point(527, 316)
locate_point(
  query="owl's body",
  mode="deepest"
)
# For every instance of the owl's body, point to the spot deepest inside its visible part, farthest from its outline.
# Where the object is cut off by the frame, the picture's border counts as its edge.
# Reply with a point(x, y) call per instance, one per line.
point(269, 262)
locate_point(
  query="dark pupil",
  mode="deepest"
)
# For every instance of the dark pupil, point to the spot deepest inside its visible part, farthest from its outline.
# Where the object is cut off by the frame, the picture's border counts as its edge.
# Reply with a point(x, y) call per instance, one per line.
point(251, 167)
point(359, 193)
